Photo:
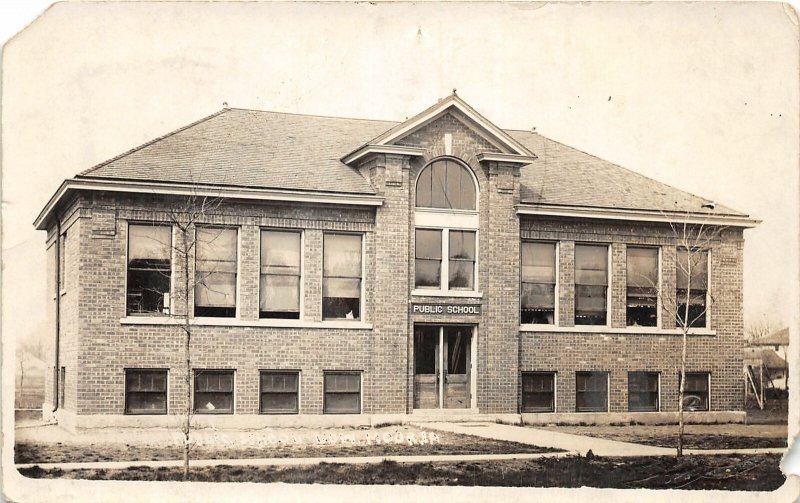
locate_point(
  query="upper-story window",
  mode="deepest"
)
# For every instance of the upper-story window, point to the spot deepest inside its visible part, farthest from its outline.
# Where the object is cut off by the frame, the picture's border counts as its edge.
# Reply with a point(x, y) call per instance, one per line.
point(446, 184)
point(691, 268)
point(447, 228)
point(280, 274)
point(149, 269)
point(538, 289)
point(342, 259)
point(215, 272)
point(642, 288)
point(591, 284)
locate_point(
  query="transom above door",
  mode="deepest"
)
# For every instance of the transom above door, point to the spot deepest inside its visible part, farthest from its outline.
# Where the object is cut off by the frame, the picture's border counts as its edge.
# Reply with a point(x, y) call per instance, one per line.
point(443, 366)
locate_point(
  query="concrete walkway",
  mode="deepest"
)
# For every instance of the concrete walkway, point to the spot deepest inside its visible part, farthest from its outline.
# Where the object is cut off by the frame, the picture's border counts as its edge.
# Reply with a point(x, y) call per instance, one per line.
point(576, 443)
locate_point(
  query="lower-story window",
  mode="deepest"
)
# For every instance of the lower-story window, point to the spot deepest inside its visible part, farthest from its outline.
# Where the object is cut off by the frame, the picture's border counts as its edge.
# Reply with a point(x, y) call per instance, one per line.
point(538, 391)
point(591, 391)
point(695, 392)
point(342, 393)
point(643, 391)
point(145, 391)
point(279, 392)
point(213, 391)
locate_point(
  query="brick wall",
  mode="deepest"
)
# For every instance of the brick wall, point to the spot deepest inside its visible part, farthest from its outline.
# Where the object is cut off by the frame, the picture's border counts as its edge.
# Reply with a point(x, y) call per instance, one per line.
point(566, 353)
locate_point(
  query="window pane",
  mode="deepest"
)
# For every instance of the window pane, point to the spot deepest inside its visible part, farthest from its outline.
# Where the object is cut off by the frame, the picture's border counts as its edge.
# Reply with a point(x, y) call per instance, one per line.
point(213, 402)
point(145, 391)
point(591, 265)
point(149, 242)
point(272, 403)
point(343, 383)
point(280, 252)
point(216, 245)
point(279, 381)
point(467, 190)
point(427, 273)
point(426, 353)
point(536, 295)
point(539, 262)
point(643, 391)
point(341, 308)
point(428, 243)
point(462, 244)
point(424, 188)
point(146, 403)
point(457, 339)
point(342, 403)
point(642, 267)
point(453, 193)
point(280, 293)
point(214, 381)
point(215, 266)
point(462, 274)
point(592, 391)
point(538, 393)
point(695, 392)
point(342, 255)
point(439, 178)
point(215, 289)
point(590, 299)
point(697, 260)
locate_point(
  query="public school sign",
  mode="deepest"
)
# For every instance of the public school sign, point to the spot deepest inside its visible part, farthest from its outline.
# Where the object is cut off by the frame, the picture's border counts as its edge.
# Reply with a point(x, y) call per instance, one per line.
point(457, 309)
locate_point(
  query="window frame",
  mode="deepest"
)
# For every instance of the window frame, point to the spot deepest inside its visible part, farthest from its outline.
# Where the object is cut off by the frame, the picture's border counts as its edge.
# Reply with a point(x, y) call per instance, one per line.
point(302, 233)
point(556, 285)
point(465, 166)
point(172, 264)
point(707, 299)
point(238, 273)
point(608, 390)
point(261, 392)
point(325, 392)
point(362, 315)
point(658, 390)
point(658, 287)
point(608, 286)
point(196, 372)
point(444, 266)
point(708, 389)
point(554, 408)
point(165, 392)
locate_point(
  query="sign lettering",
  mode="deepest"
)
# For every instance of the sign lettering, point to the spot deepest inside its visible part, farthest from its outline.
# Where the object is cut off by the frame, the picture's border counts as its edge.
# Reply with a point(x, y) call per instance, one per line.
point(447, 309)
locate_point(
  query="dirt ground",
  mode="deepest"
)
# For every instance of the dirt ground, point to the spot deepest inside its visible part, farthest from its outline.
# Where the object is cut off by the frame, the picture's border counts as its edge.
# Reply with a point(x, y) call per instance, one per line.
point(52, 445)
point(744, 473)
point(697, 436)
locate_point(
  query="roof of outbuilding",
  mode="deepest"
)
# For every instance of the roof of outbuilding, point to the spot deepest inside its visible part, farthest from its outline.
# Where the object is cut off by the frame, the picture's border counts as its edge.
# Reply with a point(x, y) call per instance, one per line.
point(778, 338)
point(248, 148)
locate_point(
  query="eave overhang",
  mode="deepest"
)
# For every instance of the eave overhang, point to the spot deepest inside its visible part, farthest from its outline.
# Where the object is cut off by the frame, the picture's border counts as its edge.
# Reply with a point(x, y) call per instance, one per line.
point(637, 215)
point(224, 192)
point(371, 149)
point(507, 158)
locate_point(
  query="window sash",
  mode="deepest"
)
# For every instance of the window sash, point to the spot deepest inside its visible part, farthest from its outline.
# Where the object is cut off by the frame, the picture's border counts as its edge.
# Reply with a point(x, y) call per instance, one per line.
point(698, 260)
point(215, 267)
point(538, 262)
point(342, 393)
point(145, 391)
point(279, 392)
point(214, 387)
point(643, 391)
point(538, 391)
point(697, 384)
point(342, 281)
point(591, 265)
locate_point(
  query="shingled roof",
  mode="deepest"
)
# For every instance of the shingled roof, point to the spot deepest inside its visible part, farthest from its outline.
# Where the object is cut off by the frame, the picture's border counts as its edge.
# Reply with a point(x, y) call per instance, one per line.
point(248, 148)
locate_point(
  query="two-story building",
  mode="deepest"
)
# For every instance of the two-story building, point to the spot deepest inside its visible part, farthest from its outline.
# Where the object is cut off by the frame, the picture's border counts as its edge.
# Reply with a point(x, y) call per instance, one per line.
point(348, 271)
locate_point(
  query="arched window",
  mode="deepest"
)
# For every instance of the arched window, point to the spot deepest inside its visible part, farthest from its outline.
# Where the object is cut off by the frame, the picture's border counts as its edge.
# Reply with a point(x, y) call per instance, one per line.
point(446, 184)
point(446, 233)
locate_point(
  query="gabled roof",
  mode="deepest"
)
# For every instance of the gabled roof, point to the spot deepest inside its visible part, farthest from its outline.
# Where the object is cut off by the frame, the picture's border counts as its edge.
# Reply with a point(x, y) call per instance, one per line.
point(767, 357)
point(779, 338)
point(286, 153)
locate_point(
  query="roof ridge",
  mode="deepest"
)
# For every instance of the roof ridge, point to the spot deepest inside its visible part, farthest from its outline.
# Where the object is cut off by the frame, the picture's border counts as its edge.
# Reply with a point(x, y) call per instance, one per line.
point(147, 144)
point(311, 115)
point(629, 170)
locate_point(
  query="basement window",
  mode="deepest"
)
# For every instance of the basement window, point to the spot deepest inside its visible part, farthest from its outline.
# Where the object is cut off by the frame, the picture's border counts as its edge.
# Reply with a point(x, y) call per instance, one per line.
point(643, 391)
point(149, 269)
point(642, 288)
point(213, 391)
point(591, 284)
point(342, 392)
point(342, 258)
point(691, 269)
point(538, 299)
point(695, 392)
point(145, 391)
point(591, 391)
point(215, 272)
point(538, 392)
point(280, 274)
point(279, 392)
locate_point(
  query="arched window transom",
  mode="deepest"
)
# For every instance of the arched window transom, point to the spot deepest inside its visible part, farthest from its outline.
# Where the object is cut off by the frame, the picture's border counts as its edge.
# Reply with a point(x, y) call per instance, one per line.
point(446, 184)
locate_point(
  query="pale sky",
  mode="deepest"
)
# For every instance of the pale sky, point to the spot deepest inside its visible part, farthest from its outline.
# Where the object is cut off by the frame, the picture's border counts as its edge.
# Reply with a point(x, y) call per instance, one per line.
point(701, 96)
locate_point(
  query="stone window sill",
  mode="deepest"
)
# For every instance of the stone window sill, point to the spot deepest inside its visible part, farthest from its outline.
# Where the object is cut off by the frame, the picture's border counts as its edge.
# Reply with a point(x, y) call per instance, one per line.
point(231, 322)
point(465, 294)
point(595, 329)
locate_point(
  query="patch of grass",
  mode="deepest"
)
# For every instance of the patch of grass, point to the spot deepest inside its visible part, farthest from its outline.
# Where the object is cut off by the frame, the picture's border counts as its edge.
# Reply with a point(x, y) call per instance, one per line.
point(751, 473)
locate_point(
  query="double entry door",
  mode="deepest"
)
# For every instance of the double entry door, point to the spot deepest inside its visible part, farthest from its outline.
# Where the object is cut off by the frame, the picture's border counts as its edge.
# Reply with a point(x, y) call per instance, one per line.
point(442, 366)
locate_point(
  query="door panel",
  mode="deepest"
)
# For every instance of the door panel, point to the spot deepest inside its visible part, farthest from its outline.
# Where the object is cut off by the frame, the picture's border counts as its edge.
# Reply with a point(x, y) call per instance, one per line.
point(426, 367)
point(457, 377)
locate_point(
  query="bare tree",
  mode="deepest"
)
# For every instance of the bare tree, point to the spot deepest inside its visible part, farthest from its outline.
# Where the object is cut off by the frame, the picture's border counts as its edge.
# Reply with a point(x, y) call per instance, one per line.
point(692, 299)
point(762, 327)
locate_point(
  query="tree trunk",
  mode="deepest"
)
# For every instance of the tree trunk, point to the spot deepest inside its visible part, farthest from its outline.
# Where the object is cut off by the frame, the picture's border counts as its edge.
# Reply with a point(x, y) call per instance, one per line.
point(187, 345)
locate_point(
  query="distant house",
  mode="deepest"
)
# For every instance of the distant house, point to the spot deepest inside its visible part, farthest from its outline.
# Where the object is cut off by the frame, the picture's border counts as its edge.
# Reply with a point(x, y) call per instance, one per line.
point(771, 352)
